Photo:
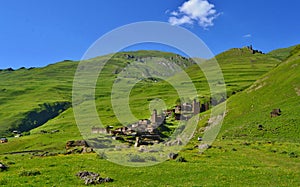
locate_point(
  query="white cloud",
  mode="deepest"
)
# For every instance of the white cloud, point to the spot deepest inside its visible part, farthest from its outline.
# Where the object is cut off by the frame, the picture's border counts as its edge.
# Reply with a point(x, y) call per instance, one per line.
point(200, 11)
point(179, 21)
point(247, 36)
point(174, 13)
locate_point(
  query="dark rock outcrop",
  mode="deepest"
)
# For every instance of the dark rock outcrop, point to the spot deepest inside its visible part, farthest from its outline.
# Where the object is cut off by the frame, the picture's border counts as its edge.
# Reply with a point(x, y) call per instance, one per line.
point(92, 178)
point(3, 167)
point(172, 156)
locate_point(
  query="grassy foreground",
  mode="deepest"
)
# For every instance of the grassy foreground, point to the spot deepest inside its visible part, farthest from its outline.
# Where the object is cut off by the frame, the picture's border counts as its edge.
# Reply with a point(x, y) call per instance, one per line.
point(227, 163)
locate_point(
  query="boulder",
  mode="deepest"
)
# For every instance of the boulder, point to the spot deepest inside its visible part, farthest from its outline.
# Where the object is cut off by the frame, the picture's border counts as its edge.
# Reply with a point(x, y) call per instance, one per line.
point(77, 143)
point(204, 146)
point(87, 150)
point(92, 178)
point(3, 167)
point(172, 156)
point(178, 141)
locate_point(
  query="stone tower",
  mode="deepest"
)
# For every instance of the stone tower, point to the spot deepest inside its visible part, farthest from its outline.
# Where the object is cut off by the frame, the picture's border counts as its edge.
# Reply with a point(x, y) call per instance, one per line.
point(154, 117)
point(196, 107)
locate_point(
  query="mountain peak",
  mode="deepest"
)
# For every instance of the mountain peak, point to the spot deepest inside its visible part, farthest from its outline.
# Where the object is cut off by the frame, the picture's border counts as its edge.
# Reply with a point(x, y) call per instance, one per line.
point(235, 52)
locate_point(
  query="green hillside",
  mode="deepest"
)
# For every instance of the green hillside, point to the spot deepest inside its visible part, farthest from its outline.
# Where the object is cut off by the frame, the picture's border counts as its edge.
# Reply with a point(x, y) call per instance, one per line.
point(26, 91)
point(283, 53)
point(249, 112)
point(251, 149)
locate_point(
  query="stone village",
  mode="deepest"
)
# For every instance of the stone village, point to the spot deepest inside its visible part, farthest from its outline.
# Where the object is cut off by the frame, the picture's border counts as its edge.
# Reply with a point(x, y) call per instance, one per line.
point(145, 131)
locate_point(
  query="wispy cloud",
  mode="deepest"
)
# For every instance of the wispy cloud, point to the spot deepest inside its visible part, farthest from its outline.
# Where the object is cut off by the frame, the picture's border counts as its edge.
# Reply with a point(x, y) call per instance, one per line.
point(247, 36)
point(200, 11)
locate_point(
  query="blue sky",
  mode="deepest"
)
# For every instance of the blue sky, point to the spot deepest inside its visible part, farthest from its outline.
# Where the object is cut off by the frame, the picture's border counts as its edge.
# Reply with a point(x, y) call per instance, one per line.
point(35, 33)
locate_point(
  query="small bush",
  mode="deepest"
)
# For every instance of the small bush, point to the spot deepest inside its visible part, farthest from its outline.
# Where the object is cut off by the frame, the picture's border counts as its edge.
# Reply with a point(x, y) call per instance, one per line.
point(29, 173)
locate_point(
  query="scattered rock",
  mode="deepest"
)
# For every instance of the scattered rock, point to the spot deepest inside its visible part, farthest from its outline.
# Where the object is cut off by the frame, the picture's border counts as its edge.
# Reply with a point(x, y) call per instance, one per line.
point(135, 158)
point(54, 131)
point(204, 146)
point(92, 178)
point(142, 149)
point(28, 173)
point(79, 146)
point(3, 167)
point(3, 140)
point(44, 154)
point(168, 144)
point(77, 143)
point(74, 151)
point(260, 127)
point(87, 150)
point(246, 143)
point(178, 141)
point(43, 132)
point(181, 159)
point(275, 112)
point(172, 156)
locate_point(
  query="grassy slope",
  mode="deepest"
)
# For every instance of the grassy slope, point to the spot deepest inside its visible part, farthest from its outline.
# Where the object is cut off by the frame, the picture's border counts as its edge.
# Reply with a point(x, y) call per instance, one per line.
point(235, 161)
point(281, 54)
point(226, 164)
point(251, 108)
point(24, 90)
point(53, 83)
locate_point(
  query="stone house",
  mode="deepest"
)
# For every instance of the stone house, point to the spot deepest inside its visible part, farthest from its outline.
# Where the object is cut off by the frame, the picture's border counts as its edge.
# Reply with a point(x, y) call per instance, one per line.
point(98, 130)
point(157, 119)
